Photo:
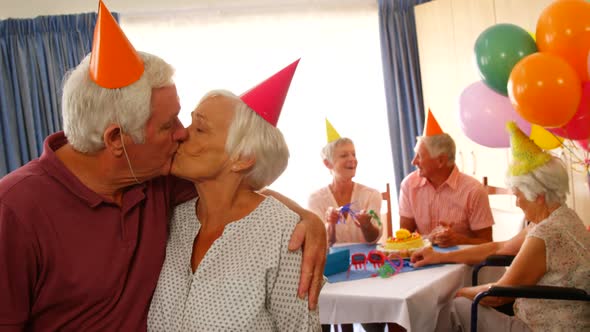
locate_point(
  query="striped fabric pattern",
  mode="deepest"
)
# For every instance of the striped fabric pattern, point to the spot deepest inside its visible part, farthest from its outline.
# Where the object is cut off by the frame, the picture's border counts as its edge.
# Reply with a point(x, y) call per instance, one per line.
point(461, 201)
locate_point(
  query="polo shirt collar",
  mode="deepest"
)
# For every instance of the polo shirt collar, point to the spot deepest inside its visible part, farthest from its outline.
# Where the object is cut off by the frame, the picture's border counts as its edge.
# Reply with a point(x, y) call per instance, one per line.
point(56, 169)
point(453, 179)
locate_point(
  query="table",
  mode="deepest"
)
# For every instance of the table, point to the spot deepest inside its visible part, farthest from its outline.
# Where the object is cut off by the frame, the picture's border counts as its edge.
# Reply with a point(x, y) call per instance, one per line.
point(411, 299)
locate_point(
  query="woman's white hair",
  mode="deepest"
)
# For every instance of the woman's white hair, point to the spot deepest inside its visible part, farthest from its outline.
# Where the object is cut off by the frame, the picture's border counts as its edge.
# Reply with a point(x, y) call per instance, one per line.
point(438, 145)
point(550, 179)
point(327, 152)
point(249, 135)
point(87, 108)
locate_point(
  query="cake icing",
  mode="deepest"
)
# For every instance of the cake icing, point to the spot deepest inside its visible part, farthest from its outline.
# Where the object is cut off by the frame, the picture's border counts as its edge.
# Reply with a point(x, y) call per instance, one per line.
point(404, 240)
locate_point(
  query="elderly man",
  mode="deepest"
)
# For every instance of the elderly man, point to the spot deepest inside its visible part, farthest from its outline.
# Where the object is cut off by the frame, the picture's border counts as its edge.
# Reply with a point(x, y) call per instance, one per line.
point(439, 201)
point(83, 229)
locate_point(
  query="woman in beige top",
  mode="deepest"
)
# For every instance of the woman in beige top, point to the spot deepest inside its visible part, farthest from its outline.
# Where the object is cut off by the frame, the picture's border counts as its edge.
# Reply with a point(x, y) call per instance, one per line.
point(339, 157)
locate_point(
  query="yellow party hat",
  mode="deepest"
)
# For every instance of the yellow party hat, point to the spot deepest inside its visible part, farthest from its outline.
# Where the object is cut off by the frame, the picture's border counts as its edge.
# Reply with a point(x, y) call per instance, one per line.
point(331, 132)
point(526, 155)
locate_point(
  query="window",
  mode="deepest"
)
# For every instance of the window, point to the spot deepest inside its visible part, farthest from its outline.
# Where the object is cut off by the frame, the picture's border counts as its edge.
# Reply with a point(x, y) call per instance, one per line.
point(339, 76)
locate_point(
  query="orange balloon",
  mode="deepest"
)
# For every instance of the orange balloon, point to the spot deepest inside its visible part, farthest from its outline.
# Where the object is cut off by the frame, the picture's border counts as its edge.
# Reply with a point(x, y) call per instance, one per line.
point(563, 29)
point(545, 90)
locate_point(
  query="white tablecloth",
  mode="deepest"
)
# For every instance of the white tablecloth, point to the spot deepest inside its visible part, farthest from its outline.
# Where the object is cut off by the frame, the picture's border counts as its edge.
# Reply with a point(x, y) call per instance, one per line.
point(411, 299)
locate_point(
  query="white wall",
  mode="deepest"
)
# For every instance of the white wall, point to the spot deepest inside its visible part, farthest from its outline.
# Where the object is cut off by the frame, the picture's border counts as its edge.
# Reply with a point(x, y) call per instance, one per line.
point(346, 48)
point(32, 8)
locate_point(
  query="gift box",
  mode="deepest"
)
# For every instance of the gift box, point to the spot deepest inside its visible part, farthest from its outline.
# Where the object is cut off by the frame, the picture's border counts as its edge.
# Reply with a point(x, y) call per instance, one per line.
point(338, 260)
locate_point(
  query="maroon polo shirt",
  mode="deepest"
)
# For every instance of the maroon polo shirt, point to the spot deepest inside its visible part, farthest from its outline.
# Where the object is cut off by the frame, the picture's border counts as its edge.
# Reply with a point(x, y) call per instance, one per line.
point(71, 261)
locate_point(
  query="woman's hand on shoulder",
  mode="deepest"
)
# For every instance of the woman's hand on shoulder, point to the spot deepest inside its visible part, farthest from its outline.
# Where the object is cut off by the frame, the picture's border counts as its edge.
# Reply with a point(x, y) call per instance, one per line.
point(310, 236)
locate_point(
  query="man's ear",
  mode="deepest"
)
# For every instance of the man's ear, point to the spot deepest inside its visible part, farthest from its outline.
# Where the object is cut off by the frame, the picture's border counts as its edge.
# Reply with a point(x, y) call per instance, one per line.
point(243, 163)
point(112, 140)
point(328, 164)
point(442, 160)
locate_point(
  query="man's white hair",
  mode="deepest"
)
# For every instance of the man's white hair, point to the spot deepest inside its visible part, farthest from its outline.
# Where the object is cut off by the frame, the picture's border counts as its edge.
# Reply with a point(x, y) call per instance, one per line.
point(438, 145)
point(87, 108)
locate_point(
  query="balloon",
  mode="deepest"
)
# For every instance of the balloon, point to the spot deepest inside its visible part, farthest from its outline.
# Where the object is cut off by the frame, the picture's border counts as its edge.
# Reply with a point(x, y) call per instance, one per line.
point(544, 90)
point(584, 144)
point(533, 35)
point(579, 125)
point(483, 114)
point(498, 49)
point(563, 29)
point(544, 139)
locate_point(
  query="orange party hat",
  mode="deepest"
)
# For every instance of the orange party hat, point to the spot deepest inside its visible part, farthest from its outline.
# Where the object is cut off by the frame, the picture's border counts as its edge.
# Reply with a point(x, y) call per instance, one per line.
point(114, 63)
point(431, 127)
point(268, 97)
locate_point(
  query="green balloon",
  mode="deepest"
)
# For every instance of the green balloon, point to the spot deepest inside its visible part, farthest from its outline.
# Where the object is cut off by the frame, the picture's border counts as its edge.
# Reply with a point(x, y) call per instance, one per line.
point(498, 49)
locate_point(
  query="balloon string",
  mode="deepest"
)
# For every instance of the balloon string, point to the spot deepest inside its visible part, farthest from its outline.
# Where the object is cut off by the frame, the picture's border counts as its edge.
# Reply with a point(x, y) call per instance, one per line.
point(573, 189)
point(571, 151)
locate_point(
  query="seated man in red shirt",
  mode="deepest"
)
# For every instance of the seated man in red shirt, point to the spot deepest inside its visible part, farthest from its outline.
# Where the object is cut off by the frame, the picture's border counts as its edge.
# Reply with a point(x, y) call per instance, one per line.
point(439, 201)
point(83, 229)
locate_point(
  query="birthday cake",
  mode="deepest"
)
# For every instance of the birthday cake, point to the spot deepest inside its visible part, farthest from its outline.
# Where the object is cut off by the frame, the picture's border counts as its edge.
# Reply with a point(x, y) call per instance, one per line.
point(404, 242)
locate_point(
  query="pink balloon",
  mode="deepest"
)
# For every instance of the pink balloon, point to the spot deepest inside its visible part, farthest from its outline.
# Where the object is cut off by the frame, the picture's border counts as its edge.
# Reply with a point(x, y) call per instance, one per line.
point(483, 114)
point(579, 126)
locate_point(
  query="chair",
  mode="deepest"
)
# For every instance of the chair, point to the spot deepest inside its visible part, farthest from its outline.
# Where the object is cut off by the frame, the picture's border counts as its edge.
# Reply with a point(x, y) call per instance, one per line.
point(386, 196)
point(534, 292)
point(530, 292)
point(493, 260)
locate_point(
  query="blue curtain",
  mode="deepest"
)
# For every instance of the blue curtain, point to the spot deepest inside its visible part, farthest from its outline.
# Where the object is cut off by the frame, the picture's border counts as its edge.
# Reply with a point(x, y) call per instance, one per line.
point(403, 87)
point(34, 56)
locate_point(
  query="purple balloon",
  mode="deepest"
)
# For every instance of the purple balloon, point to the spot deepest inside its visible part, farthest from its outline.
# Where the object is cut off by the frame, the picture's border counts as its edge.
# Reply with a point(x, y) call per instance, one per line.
point(483, 114)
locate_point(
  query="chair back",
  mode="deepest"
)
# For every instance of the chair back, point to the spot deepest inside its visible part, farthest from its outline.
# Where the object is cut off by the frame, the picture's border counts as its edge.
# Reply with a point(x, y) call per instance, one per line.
point(386, 196)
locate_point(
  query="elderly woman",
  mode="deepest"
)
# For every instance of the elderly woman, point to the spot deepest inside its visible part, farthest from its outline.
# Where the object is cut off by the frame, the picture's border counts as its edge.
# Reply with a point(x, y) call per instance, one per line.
point(339, 157)
point(555, 251)
point(227, 264)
